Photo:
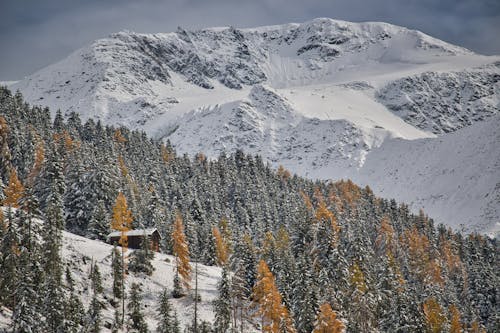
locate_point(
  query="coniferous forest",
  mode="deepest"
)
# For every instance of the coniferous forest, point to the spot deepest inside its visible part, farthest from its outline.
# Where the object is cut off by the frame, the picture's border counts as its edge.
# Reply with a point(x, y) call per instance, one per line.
point(296, 255)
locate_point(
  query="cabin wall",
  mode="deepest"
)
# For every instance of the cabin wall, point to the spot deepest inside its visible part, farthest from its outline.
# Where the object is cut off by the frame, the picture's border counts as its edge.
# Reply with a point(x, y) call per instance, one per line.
point(134, 242)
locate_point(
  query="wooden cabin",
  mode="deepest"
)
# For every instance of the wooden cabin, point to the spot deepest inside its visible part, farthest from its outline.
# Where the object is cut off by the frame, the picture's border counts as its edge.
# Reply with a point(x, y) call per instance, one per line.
point(135, 238)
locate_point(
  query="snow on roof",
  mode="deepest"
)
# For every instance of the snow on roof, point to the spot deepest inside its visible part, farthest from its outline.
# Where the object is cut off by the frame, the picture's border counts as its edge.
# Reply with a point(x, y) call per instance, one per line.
point(135, 232)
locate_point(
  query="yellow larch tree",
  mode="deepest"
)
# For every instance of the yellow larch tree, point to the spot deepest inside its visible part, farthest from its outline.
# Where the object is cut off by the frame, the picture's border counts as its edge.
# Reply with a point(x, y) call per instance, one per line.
point(119, 138)
point(455, 324)
point(434, 316)
point(181, 252)
point(166, 155)
point(307, 201)
point(433, 273)
point(14, 191)
point(38, 163)
point(327, 321)
point(451, 258)
point(475, 327)
point(324, 214)
point(357, 278)
point(122, 221)
point(283, 173)
point(273, 313)
point(221, 247)
point(385, 235)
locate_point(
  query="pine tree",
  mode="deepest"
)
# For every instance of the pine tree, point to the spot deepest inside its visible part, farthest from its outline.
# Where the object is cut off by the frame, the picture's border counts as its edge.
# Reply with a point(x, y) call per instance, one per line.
point(98, 227)
point(117, 270)
point(327, 321)
point(166, 317)
point(9, 260)
point(74, 314)
point(181, 252)
point(55, 300)
point(239, 297)
point(222, 305)
point(136, 317)
point(94, 316)
point(26, 315)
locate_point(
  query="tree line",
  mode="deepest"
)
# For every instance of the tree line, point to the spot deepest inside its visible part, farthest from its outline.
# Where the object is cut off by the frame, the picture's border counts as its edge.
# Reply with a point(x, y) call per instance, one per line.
point(297, 255)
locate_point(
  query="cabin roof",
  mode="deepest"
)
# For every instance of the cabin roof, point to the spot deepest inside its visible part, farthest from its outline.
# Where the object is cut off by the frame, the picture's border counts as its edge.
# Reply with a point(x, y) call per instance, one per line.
point(135, 232)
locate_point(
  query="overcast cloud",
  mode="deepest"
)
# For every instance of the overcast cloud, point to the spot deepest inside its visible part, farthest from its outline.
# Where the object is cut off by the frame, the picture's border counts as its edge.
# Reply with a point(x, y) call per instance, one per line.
point(36, 33)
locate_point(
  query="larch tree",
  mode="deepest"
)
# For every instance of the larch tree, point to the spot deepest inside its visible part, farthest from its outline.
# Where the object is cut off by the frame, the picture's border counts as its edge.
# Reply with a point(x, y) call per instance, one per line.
point(221, 247)
point(455, 324)
point(5, 154)
point(14, 191)
point(434, 316)
point(327, 321)
point(181, 252)
point(122, 221)
point(274, 315)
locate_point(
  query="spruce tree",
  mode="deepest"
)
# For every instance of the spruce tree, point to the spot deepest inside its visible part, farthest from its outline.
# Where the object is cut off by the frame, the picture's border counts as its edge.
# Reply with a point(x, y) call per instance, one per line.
point(222, 305)
point(94, 316)
point(166, 316)
point(117, 271)
point(74, 313)
point(136, 317)
point(54, 298)
point(26, 315)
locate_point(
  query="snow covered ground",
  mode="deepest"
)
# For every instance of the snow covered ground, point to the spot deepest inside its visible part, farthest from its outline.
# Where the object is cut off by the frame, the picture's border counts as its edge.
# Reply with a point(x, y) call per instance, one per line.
point(79, 252)
point(318, 97)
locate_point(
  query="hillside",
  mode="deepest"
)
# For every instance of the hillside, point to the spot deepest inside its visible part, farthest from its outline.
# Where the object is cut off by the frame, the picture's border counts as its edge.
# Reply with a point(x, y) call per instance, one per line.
point(80, 253)
point(292, 248)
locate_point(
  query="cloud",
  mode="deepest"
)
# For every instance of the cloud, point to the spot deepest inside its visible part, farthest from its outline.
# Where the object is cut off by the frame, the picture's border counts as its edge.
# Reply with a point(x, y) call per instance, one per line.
point(34, 34)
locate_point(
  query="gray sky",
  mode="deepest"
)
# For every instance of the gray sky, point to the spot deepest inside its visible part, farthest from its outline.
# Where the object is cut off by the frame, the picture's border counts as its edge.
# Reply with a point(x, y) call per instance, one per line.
point(36, 33)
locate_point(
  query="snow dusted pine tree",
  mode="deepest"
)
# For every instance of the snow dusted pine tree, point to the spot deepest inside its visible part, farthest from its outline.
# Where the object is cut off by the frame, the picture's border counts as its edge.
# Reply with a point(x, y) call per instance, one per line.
point(137, 323)
point(54, 297)
point(222, 305)
point(167, 318)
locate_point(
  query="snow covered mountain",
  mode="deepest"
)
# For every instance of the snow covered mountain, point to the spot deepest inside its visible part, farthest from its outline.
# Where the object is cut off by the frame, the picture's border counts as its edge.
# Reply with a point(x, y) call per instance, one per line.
point(323, 98)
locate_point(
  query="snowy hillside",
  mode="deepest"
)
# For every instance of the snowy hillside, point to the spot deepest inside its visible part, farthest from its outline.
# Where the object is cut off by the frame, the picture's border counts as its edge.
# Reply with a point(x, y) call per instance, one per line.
point(316, 97)
point(459, 171)
point(79, 252)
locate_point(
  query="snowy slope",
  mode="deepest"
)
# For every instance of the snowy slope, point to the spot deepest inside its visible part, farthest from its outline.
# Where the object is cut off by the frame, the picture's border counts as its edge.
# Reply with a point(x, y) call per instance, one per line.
point(78, 252)
point(459, 172)
point(317, 97)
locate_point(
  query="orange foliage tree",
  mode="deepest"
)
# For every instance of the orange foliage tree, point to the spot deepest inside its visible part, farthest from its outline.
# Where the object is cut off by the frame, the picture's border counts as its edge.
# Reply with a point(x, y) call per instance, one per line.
point(122, 221)
point(327, 321)
point(274, 314)
point(455, 324)
point(14, 191)
point(434, 316)
point(181, 251)
point(221, 247)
